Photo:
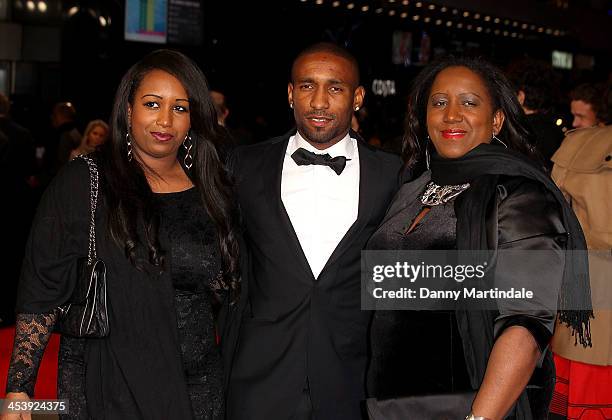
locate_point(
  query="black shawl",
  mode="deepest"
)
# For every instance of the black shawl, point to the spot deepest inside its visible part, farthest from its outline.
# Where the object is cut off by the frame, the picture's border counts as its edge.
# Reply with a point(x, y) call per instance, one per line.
point(481, 167)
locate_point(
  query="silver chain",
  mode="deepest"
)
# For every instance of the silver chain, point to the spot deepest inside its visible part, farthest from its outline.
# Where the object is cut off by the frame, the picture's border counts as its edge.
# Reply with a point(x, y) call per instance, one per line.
point(435, 194)
point(93, 202)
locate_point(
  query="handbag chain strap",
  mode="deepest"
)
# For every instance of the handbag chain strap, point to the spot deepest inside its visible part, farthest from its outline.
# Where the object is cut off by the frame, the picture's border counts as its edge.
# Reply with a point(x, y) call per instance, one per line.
point(93, 203)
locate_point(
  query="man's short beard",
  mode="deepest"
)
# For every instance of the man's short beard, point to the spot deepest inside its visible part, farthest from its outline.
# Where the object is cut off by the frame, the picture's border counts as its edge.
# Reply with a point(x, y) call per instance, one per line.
point(316, 136)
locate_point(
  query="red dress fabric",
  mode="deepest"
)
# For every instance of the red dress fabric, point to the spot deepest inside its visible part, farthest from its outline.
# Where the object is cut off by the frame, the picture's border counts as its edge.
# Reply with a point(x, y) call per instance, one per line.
point(582, 391)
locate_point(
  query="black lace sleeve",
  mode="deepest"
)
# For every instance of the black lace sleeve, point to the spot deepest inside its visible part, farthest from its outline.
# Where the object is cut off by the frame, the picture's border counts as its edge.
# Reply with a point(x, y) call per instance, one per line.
point(32, 334)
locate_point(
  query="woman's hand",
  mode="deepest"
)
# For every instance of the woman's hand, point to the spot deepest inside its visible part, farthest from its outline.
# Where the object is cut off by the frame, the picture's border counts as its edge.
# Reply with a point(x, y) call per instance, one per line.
point(15, 396)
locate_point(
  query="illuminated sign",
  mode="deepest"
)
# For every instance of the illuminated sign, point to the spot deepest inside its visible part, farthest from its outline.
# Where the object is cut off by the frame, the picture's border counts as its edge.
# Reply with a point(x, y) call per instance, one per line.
point(562, 60)
point(383, 87)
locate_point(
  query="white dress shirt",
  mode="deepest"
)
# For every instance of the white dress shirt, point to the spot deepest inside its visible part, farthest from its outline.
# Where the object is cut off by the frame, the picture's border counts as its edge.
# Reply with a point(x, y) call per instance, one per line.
point(321, 205)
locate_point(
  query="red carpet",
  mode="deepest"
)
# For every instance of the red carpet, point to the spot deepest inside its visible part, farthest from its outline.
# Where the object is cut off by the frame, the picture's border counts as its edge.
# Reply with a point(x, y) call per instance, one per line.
point(46, 385)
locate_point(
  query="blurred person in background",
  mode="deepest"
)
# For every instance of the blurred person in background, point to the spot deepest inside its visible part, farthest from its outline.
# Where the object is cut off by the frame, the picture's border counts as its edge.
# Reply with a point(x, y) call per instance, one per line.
point(64, 139)
point(536, 88)
point(220, 106)
point(232, 135)
point(96, 134)
point(583, 171)
point(588, 106)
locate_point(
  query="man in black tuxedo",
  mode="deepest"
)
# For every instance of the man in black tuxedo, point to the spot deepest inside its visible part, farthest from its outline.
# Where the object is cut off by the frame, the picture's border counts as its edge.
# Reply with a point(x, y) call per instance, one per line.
point(310, 200)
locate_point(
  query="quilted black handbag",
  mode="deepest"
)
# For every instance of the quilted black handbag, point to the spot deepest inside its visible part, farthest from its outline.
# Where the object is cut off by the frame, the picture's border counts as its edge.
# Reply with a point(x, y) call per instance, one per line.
point(86, 313)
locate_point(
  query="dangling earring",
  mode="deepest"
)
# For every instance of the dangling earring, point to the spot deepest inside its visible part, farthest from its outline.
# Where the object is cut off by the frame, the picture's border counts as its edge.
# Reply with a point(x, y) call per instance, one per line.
point(291, 105)
point(188, 145)
point(128, 146)
point(497, 138)
point(427, 158)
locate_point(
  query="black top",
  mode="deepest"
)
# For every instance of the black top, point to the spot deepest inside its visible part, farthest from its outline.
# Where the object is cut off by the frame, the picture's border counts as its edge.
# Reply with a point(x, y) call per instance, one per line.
point(195, 265)
point(162, 336)
point(416, 352)
point(524, 216)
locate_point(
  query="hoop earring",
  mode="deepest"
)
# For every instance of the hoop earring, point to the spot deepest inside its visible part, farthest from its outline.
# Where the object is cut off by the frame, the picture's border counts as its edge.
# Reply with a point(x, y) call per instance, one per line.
point(188, 145)
point(497, 138)
point(427, 157)
point(128, 146)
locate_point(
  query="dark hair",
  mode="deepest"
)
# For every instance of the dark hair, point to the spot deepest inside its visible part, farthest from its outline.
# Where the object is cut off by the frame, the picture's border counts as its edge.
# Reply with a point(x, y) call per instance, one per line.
point(65, 109)
point(592, 95)
point(538, 80)
point(330, 48)
point(514, 132)
point(133, 216)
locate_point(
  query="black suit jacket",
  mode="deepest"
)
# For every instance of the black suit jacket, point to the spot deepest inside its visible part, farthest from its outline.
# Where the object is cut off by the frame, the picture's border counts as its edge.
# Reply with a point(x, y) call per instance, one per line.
point(296, 328)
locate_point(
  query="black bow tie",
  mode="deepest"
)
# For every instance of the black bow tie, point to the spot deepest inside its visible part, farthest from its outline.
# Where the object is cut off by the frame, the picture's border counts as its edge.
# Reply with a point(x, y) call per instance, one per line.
point(303, 157)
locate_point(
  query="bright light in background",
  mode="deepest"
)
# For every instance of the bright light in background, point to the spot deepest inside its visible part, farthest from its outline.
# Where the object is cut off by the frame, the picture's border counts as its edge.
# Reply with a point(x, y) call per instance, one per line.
point(30, 5)
point(73, 11)
point(102, 20)
point(559, 122)
point(42, 6)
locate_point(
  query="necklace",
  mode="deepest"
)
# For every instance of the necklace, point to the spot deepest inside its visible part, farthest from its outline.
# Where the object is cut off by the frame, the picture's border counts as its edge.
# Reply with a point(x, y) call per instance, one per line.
point(435, 194)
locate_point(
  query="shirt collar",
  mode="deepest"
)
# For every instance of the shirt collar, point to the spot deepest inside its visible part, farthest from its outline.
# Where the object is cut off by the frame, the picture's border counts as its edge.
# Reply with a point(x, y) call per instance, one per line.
point(345, 147)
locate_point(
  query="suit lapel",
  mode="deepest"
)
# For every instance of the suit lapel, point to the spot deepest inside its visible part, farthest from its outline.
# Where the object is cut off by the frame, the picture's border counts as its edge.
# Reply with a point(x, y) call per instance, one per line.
point(368, 169)
point(273, 171)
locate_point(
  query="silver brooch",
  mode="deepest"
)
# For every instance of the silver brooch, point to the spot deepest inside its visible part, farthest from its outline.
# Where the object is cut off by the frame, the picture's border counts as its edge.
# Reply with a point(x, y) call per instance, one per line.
point(435, 194)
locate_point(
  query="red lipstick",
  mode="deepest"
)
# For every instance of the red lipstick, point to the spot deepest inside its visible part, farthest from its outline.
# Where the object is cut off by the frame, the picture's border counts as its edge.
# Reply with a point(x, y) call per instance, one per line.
point(453, 134)
point(162, 136)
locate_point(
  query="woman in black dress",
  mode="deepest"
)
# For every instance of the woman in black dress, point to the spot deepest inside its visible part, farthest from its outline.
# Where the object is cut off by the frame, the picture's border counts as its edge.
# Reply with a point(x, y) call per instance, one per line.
point(165, 229)
point(481, 192)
